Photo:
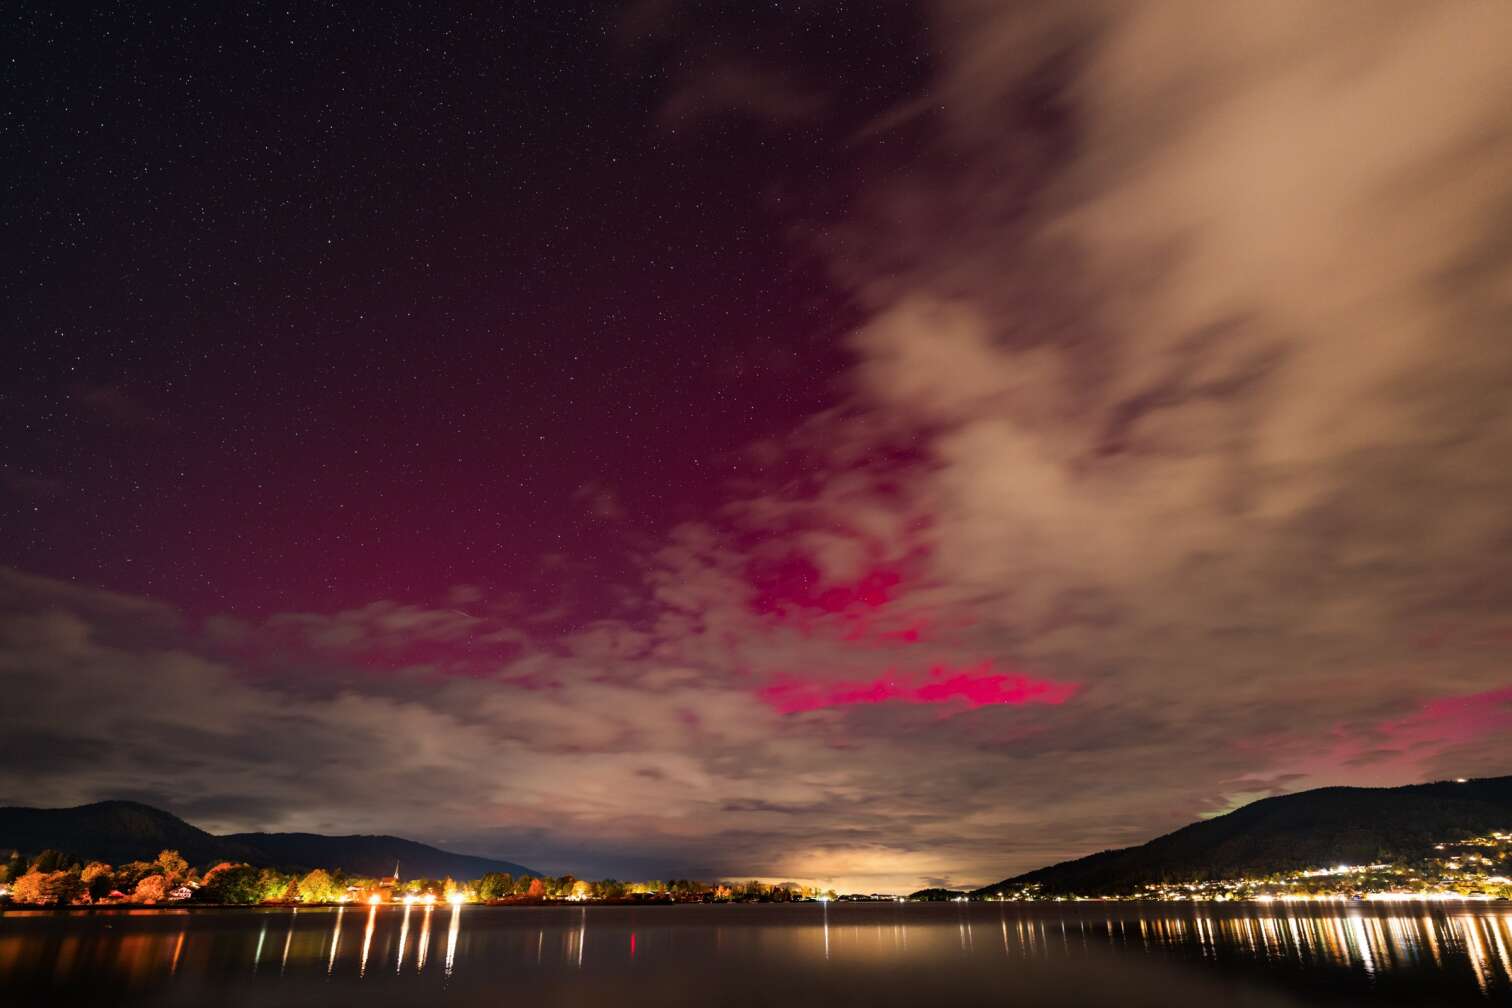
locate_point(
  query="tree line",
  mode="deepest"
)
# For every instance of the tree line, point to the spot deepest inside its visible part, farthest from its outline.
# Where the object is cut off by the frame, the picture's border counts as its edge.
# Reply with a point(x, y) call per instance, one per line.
point(53, 878)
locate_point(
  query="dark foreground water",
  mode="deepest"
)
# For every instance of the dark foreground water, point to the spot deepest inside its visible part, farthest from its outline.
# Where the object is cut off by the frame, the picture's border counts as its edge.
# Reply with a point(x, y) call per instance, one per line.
point(808, 954)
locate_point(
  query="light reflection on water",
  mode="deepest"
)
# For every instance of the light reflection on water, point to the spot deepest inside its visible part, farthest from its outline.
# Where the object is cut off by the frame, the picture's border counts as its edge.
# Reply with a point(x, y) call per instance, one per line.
point(688, 954)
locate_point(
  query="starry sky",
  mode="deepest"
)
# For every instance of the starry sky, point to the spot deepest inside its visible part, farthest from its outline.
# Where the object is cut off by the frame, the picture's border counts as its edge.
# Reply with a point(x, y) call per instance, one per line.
point(877, 444)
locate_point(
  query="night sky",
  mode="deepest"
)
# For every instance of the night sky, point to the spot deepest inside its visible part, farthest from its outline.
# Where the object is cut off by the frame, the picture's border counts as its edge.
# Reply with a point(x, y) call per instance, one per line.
point(882, 444)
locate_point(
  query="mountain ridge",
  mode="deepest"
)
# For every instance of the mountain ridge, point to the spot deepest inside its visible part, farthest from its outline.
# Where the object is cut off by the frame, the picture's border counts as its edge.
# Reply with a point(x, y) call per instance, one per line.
point(117, 831)
point(1322, 826)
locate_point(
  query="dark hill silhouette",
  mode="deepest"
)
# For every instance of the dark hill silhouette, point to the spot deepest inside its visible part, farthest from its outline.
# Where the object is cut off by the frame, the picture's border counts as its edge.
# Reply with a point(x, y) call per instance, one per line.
point(1325, 826)
point(369, 855)
point(120, 831)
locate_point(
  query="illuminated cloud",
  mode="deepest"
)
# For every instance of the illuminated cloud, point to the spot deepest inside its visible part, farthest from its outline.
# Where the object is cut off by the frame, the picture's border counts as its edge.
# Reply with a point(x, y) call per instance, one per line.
point(967, 688)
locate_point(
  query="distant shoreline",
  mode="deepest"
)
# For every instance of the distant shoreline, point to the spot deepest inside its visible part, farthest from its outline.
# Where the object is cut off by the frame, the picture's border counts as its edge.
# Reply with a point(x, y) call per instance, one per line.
point(137, 909)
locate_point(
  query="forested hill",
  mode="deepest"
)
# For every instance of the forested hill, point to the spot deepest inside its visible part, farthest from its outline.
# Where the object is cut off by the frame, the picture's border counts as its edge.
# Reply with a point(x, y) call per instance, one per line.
point(1326, 826)
point(121, 831)
point(369, 855)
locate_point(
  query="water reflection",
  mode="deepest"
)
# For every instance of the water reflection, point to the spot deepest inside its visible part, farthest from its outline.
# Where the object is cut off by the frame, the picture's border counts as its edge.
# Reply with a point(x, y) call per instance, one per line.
point(1465, 950)
point(262, 936)
point(424, 946)
point(403, 939)
point(178, 950)
point(335, 940)
point(367, 941)
point(451, 937)
point(825, 909)
point(283, 963)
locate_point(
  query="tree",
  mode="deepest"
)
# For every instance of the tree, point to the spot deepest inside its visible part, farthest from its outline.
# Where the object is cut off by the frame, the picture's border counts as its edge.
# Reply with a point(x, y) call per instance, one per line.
point(64, 886)
point(49, 861)
point(271, 885)
point(151, 889)
point(494, 885)
point(14, 867)
point(172, 867)
point(28, 888)
point(536, 889)
point(98, 879)
point(228, 883)
point(319, 887)
point(129, 874)
point(216, 870)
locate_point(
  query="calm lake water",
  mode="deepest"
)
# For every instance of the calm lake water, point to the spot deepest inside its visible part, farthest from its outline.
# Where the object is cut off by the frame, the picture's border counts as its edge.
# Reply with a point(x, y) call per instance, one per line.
point(797, 955)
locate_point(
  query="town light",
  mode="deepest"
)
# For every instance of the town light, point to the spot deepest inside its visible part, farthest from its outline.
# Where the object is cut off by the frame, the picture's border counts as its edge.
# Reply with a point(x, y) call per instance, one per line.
point(456, 899)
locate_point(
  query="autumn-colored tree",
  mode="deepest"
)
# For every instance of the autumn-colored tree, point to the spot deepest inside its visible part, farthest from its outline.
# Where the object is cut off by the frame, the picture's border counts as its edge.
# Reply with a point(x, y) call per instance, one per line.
point(98, 879)
point(28, 888)
point(216, 870)
point(536, 889)
point(66, 887)
point(172, 867)
point(151, 889)
point(129, 874)
point(319, 887)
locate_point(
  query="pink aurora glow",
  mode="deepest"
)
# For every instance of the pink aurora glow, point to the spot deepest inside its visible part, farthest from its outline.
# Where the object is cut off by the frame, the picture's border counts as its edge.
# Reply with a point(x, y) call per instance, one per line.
point(974, 687)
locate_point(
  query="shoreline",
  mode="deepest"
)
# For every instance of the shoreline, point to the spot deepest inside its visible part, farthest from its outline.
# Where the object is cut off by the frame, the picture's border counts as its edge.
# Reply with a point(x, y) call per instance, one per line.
point(187, 908)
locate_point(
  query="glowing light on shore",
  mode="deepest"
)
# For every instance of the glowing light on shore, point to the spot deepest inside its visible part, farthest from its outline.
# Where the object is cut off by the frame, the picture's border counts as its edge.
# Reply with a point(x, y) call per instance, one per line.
point(1436, 897)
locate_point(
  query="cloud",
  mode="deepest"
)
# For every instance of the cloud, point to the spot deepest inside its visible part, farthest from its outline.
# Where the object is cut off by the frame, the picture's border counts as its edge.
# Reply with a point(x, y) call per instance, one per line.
point(966, 688)
point(670, 757)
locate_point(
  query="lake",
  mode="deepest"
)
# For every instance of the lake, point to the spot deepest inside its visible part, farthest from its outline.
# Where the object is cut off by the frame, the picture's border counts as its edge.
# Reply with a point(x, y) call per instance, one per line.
point(1075, 954)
